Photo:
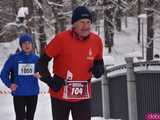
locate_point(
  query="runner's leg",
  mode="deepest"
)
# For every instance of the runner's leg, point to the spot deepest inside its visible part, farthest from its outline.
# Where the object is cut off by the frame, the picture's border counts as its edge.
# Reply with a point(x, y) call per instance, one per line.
point(19, 107)
point(60, 109)
point(81, 110)
point(31, 106)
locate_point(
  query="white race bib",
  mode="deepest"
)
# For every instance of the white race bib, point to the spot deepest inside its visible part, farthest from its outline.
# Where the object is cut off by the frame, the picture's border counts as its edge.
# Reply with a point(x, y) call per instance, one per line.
point(76, 90)
point(26, 69)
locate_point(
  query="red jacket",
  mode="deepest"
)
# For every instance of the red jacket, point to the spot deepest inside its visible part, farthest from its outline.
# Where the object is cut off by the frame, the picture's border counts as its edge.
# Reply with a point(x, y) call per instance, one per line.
point(74, 55)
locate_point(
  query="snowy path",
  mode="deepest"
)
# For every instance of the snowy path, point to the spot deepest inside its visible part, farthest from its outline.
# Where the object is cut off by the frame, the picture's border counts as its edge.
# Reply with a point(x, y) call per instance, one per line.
point(43, 111)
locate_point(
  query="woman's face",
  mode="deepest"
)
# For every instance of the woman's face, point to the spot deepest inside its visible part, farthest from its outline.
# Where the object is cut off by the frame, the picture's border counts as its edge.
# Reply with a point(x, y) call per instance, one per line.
point(27, 47)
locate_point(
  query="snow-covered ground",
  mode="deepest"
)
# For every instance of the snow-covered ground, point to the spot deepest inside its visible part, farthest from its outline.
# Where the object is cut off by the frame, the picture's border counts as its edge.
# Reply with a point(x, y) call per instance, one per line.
point(125, 43)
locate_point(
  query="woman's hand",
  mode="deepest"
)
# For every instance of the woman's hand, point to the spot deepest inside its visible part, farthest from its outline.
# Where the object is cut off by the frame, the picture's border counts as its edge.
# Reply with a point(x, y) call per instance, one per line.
point(13, 87)
point(37, 75)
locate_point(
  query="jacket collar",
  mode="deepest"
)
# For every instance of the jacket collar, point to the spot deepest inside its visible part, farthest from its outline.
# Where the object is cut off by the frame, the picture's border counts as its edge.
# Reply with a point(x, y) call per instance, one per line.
point(24, 54)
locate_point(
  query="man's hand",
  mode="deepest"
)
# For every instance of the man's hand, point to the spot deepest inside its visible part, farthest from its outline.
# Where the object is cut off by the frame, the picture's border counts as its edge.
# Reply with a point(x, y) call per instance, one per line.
point(13, 87)
point(98, 68)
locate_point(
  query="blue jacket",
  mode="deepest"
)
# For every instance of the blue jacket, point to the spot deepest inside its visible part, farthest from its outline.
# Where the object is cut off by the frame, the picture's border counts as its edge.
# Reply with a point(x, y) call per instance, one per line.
point(19, 69)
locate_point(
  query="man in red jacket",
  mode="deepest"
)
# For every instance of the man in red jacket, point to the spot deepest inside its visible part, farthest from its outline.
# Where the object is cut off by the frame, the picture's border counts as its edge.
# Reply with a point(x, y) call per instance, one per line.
point(77, 54)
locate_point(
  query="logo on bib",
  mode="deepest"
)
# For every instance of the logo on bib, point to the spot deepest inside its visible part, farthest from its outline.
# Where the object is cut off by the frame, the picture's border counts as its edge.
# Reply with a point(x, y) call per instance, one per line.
point(90, 55)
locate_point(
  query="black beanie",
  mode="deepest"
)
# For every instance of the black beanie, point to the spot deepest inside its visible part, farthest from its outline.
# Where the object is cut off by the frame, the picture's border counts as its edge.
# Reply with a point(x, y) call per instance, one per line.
point(80, 13)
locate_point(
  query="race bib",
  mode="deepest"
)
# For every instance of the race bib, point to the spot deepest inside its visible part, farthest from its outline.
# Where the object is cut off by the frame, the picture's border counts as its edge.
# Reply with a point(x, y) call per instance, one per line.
point(25, 69)
point(76, 90)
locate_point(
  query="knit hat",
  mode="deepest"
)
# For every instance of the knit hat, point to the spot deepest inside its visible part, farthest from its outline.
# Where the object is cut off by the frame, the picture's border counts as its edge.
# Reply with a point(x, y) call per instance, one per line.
point(80, 13)
point(24, 38)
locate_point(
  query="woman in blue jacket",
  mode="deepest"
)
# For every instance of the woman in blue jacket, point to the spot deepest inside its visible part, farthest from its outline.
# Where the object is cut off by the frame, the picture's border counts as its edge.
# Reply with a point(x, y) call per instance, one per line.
point(17, 74)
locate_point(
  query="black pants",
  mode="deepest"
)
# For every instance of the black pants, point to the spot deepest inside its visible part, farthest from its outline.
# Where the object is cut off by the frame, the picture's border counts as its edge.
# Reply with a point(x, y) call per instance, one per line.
point(25, 107)
point(80, 110)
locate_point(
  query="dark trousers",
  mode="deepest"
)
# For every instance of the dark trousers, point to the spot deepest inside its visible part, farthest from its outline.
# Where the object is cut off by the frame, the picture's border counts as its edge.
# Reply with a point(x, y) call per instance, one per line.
point(80, 110)
point(25, 107)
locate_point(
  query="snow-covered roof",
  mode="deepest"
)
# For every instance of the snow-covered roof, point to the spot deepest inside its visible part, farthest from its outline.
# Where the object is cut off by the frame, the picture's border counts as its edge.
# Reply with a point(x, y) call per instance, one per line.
point(143, 16)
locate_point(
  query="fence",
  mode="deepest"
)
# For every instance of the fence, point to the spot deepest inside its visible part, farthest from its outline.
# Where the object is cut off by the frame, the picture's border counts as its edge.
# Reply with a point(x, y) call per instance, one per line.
point(129, 99)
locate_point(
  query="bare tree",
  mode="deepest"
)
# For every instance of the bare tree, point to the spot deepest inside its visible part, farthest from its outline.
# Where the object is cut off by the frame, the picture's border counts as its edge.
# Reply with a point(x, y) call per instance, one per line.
point(58, 10)
point(40, 27)
point(7, 12)
point(108, 24)
point(118, 16)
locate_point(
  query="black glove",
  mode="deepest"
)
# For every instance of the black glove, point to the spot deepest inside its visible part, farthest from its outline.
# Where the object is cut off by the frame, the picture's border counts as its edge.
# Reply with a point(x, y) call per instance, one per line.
point(98, 68)
point(55, 82)
point(42, 65)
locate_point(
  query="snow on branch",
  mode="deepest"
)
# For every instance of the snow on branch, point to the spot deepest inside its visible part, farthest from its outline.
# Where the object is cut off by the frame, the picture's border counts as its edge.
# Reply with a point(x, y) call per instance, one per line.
point(124, 5)
point(68, 13)
point(86, 2)
point(154, 10)
point(48, 22)
point(99, 2)
point(54, 4)
point(116, 3)
point(39, 4)
point(106, 18)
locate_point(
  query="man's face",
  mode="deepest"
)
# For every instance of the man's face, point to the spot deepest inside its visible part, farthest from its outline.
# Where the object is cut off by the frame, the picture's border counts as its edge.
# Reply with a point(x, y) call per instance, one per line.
point(27, 47)
point(82, 27)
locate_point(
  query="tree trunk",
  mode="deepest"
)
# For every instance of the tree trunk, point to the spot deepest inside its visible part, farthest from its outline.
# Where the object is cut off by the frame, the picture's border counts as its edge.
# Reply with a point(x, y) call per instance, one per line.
point(138, 13)
point(42, 35)
point(150, 31)
point(60, 24)
point(126, 22)
point(118, 17)
point(56, 20)
point(108, 26)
